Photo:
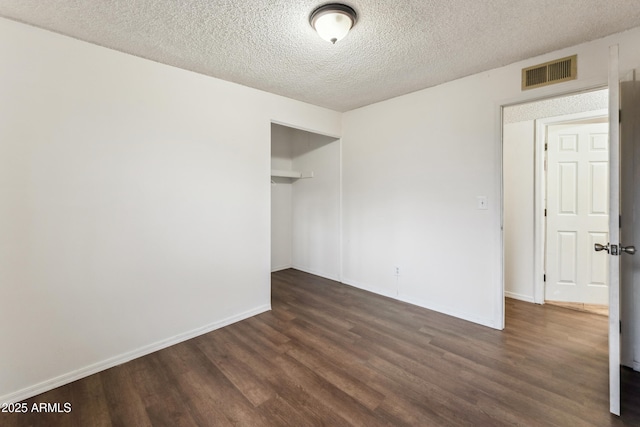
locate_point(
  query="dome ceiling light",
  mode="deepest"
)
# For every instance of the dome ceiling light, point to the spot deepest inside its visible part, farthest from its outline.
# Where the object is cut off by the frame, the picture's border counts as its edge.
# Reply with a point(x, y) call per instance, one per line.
point(333, 21)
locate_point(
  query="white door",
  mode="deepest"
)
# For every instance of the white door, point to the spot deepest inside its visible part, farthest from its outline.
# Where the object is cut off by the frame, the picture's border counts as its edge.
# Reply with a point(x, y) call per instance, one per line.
point(629, 208)
point(614, 231)
point(615, 248)
point(624, 97)
point(577, 213)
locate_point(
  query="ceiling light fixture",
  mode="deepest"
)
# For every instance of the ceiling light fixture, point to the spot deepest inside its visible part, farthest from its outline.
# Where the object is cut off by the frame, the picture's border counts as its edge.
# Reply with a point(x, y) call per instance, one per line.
point(333, 21)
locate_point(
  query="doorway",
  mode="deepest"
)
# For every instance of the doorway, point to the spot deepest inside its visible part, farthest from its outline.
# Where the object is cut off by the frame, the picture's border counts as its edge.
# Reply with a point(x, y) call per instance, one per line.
point(526, 258)
point(305, 201)
point(624, 98)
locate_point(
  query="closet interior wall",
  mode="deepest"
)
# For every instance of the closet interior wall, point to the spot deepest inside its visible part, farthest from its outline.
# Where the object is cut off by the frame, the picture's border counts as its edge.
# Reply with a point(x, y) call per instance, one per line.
point(305, 212)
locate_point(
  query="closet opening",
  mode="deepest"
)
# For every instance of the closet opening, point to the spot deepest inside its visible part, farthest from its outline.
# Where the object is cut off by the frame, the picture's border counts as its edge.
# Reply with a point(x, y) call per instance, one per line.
point(305, 202)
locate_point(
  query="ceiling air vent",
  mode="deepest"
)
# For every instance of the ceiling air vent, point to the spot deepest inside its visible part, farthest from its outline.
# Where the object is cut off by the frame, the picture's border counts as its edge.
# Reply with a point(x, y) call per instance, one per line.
point(549, 73)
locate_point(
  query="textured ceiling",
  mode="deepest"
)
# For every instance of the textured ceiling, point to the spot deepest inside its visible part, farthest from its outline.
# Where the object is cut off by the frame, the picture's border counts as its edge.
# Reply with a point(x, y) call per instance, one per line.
point(395, 48)
point(580, 103)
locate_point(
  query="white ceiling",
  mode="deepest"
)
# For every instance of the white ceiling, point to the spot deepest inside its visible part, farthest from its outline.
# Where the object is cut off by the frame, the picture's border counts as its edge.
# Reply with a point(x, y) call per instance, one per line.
point(396, 47)
point(554, 107)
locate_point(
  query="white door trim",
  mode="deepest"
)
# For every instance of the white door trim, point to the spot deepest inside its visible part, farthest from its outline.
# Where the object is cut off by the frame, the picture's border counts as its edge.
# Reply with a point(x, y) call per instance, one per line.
point(540, 192)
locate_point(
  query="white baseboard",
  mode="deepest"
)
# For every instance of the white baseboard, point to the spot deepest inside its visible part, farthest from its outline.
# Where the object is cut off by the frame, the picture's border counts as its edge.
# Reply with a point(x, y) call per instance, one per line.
point(316, 273)
point(67, 378)
point(284, 267)
point(420, 303)
point(520, 297)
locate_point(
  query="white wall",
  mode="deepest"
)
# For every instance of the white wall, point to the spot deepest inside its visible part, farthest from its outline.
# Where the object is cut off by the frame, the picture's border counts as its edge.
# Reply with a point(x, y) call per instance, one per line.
point(519, 242)
point(412, 169)
point(316, 205)
point(281, 199)
point(134, 205)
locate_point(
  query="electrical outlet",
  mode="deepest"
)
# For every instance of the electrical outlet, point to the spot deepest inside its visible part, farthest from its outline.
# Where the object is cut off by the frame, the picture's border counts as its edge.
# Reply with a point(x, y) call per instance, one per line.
point(396, 270)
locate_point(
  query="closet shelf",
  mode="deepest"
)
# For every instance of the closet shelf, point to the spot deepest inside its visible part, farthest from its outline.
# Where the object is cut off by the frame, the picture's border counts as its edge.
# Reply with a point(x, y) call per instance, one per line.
point(290, 174)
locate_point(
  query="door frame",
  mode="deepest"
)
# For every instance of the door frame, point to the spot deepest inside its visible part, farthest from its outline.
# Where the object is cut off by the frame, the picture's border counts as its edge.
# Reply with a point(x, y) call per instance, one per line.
point(524, 99)
point(540, 191)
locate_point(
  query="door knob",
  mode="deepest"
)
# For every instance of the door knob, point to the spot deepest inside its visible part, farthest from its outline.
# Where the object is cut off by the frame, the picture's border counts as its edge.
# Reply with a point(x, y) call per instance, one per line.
point(628, 249)
point(598, 247)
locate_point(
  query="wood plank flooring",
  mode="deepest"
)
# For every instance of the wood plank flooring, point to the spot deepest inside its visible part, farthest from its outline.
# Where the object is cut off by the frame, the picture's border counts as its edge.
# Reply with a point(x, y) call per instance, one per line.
point(329, 354)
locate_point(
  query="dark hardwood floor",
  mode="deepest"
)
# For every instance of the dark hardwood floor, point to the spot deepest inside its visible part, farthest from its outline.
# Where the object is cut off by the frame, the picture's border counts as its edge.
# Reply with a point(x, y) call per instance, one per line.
point(329, 354)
